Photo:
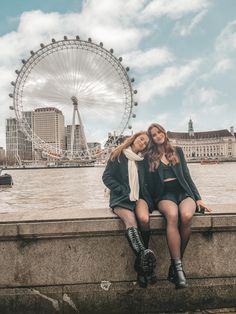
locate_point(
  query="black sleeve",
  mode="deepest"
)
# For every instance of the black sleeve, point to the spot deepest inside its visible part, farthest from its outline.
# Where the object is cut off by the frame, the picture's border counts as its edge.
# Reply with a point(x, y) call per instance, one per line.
point(187, 175)
point(109, 176)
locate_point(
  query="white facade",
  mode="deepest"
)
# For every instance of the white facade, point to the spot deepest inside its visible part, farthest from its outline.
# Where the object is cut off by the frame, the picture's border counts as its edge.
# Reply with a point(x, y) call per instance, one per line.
point(220, 144)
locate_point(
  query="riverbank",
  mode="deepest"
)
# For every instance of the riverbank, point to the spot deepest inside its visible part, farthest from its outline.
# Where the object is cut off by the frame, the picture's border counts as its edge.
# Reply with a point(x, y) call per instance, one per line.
point(98, 165)
point(68, 261)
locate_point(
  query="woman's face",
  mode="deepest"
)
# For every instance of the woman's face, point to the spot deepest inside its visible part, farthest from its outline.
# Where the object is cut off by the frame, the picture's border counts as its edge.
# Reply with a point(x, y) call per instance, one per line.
point(140, 143)
point(158, 136)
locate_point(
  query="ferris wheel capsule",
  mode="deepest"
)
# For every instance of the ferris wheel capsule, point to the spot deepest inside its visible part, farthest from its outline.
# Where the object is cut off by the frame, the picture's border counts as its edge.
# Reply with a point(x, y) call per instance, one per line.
point(101, 44)
point(132, 80)
point(42, 45)
point(13, 83)
point(111, 50)
point(77, 37)
point(65, 38)
point(127, 69)
point(135, 91)
point(120, 59)
point(89, 40)
point(53, 40)
point(31, 52)
point(135, 103)
point(130, 127)
point(134, 115)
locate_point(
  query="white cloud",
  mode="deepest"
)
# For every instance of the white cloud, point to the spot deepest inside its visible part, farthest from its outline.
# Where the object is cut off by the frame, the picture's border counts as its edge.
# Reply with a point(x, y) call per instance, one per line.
point(223, 65)
point(113, 23)
point(226, 41)
point(171, 77)
point(186, 29)
point(173, 8)
point(204, 105)
point(139, 59)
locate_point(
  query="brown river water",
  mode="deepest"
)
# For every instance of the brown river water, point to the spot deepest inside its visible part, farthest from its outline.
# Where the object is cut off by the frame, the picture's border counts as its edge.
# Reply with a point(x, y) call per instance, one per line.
point(83, 188)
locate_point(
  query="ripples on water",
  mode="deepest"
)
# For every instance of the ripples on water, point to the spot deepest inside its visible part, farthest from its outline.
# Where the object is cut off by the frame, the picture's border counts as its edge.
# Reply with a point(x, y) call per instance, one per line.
point(83, 188)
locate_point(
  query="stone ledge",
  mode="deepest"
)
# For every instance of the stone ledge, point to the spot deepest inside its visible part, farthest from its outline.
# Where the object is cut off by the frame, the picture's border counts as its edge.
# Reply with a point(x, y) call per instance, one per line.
point(111, 224)
point(118, 297)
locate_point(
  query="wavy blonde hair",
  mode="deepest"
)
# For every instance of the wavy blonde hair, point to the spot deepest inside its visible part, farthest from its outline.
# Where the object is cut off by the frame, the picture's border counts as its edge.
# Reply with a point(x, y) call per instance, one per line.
point(128, 142)
point(154, 153)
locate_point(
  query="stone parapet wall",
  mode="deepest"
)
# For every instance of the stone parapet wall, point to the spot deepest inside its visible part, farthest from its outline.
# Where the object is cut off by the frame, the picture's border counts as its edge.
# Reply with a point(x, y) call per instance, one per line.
point(84, 265)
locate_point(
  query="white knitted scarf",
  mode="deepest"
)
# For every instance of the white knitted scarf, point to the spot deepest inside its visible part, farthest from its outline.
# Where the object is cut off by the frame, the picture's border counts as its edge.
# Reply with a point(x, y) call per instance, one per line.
point(133, 173)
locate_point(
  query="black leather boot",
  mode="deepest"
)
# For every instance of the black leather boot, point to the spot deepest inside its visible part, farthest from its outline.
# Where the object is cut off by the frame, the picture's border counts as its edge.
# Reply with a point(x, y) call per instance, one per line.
point(141, 277)
point(146, 237)
point(146, 260)
point(152, 278)
point(179, 276)
point(171, 274)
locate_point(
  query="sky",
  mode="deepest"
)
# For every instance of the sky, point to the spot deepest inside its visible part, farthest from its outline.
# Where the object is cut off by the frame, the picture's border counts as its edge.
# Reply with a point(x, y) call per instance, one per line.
point(181, 53)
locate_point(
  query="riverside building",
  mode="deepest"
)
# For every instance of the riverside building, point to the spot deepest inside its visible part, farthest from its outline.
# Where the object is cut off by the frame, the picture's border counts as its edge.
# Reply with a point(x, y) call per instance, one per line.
point(2, 155)
point(18, 147)
point(219, 144)
point(48, 125)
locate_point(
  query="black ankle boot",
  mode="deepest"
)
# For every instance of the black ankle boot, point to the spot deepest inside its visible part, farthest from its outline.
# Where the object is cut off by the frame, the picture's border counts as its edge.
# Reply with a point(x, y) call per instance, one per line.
point(171, 274)
point(179, 276)
point(145, 257)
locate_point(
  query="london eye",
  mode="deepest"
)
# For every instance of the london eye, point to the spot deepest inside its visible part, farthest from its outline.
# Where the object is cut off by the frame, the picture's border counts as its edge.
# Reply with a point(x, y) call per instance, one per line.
point(83, 80)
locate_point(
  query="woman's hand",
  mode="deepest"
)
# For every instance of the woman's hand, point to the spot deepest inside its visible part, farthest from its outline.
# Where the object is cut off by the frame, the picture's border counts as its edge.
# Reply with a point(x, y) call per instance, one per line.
point(202, 207)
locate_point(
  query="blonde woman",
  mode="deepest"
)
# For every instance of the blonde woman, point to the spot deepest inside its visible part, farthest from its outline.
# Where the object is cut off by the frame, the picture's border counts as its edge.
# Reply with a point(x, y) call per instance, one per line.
point(130, 201)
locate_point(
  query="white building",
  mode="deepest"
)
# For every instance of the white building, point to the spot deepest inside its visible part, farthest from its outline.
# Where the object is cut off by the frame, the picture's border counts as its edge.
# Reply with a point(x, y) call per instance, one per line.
point(219, 144)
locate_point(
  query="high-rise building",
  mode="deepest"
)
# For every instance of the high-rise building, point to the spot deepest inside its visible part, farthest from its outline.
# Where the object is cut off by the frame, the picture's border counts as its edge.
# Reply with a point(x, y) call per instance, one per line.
point(2, 155)
point(14, 142)
point(48, 125)
point(77, 138)
point(18, 147)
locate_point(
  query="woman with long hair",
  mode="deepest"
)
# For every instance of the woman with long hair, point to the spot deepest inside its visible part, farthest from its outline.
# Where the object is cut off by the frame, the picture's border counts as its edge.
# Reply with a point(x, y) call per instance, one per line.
point(131, 201)
point(175, 195)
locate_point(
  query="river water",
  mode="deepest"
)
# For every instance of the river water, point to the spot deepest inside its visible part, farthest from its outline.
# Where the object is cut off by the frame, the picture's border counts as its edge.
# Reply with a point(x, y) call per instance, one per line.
point(83, 188)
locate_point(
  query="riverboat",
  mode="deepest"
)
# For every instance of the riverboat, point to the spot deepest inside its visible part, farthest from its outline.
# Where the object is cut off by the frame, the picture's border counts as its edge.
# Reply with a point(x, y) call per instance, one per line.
point(6, 180)
point(209, 161)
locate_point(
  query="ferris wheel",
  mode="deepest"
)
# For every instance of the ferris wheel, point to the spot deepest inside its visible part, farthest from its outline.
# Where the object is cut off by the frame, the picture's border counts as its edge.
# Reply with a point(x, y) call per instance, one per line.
point(82, 80)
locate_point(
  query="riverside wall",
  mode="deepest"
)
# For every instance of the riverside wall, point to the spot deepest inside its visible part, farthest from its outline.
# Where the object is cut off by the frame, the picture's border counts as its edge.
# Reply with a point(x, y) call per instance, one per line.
point(65, 262)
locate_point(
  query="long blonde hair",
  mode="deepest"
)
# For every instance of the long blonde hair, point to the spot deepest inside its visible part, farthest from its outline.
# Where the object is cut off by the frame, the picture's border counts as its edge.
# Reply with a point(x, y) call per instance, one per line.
point(154, 152)
point(128, 142)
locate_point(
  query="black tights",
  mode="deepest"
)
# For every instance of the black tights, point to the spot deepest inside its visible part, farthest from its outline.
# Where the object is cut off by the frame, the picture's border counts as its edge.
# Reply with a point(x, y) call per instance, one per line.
point(178, 220)
point(138, 218)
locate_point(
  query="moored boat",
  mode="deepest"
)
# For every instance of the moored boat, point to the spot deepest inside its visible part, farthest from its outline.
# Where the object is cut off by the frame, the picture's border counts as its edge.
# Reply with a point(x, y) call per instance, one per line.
point(209, 161)
point(6, 180)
